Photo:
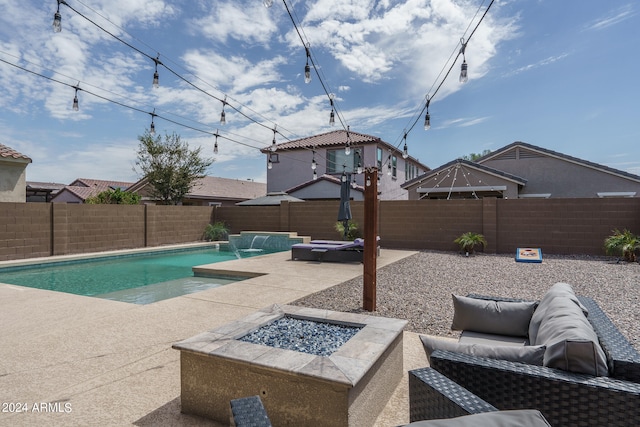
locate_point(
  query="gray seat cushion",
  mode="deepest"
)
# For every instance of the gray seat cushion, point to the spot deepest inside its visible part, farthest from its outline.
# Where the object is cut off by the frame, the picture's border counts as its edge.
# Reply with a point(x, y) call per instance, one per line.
point(473, 337)
point(531, 355)
point(557, 290)
point(492, 317)
point(516, 418)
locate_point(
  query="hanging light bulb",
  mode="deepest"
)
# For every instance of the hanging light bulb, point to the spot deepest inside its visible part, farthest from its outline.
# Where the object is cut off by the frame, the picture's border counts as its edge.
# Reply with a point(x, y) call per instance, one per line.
point(267, 3)
point(463, 68)
point(156, 76)
point(332, 115)
point(389, 164)
point(273, 143)
point(57, 18)
point(405, 151)
point(463, 72)
point(307, 68)
point(215, 144)
point(315, 175)
point(359, 169)
point(368, 183)
point(75, 99)
point(354, 184)
point(223, 116)
point(314, 165)
point(427, 116)
point(269, 164)
point(152, 128)
point(347, 148)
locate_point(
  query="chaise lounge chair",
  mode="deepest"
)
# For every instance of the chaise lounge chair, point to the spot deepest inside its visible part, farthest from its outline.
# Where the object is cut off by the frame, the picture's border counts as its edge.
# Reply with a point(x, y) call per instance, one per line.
point(329, 250)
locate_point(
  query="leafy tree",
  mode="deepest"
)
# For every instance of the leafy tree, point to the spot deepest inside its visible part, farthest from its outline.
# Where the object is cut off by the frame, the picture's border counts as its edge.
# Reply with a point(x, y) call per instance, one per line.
point(114, 197)
point(169, 166)
point(475, 156)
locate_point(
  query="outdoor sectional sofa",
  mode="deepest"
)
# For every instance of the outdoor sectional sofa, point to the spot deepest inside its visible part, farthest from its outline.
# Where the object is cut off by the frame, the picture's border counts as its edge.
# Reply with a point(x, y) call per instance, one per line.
point(572, 364)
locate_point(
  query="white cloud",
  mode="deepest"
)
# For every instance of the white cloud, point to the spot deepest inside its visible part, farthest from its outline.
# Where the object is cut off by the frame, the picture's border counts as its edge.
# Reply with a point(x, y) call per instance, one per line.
point(248, 22)
point(612, 18)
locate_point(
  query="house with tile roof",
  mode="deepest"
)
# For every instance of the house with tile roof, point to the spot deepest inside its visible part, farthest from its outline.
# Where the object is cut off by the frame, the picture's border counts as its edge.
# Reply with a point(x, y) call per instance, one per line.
point(83, 188)
point(13, 175)
point(211, 191)
point(290, 165)
point(521, 170)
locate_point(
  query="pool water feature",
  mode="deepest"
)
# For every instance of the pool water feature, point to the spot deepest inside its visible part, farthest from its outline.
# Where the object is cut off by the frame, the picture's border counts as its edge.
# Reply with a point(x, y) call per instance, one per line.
point(140, 278)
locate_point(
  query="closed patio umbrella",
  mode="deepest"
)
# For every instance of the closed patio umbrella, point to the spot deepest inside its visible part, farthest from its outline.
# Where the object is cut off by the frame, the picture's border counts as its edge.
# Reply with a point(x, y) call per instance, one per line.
point(344, 213)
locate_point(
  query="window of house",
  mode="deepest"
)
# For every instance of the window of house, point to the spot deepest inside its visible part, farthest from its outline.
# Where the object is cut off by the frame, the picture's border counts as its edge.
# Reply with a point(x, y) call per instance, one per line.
point(394, 167)
point(379, 157)
point(338, 161)
point(273, 157)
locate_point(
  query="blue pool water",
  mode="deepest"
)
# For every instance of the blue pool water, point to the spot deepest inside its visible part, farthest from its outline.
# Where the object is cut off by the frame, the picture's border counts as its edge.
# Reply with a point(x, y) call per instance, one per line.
point(139, 278)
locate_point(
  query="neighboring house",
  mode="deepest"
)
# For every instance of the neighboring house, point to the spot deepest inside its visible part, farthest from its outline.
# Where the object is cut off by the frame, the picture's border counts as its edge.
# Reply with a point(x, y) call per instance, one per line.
point(82, 188)
point(211, 191)
point(13, 175)
point(522, 170)
point(290, 165)
point(325, 187)
point(42, 191)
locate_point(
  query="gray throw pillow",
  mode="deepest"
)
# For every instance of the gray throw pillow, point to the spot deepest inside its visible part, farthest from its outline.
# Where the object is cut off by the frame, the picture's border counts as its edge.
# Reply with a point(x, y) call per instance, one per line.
point(531, 355)
point(513, 418)
point(492, 317)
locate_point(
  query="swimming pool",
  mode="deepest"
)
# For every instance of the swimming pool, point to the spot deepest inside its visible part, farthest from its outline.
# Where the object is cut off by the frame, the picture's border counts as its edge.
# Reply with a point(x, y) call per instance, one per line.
point(140, 278)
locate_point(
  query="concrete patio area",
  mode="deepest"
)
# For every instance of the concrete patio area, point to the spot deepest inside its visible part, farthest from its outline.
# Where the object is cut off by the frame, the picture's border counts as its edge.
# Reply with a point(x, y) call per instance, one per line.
point(69, 360)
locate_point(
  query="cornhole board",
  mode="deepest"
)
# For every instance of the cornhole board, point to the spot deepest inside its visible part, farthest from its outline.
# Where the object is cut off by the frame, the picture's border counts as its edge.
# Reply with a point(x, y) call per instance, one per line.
point(528, 255)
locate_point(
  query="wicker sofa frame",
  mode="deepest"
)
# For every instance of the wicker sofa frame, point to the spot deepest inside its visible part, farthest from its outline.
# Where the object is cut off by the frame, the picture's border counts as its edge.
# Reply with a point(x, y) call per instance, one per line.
point(564, 398)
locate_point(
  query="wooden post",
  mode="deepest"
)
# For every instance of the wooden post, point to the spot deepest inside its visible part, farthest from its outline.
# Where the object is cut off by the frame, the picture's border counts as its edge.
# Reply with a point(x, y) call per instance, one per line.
point(370, 239)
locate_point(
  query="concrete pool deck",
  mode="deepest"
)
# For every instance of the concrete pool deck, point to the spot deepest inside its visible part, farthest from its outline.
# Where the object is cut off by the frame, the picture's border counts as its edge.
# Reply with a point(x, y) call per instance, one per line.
point(72, 360)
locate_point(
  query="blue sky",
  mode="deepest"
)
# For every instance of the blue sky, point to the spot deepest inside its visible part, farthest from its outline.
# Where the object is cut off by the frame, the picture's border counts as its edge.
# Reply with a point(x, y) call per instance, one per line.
point(561, 75)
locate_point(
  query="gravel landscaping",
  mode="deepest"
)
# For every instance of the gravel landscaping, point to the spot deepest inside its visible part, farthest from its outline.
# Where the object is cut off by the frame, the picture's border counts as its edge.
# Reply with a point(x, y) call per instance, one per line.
point(418, 288)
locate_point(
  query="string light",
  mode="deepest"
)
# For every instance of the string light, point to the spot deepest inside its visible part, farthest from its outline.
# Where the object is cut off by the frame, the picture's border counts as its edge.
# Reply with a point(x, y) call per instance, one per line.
point(315, 175)
point(405, 151)
point(307, 68)
point(215, 144)
point(269, 164)
point(75, 98)
point(273, 143)
point(463, 68)
point(267, 3)
point(152, 128)
point(332, 115)
point(156, 76)
point(57, 18)
point(314, 165)
point(427, 116)
point(223, 116)
point(347, 147)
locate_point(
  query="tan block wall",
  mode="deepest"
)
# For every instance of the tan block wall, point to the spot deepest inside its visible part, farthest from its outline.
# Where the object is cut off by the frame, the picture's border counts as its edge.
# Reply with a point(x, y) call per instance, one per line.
point(25, 230)
point(176, 224)
point(560, 226)
point(91, 228)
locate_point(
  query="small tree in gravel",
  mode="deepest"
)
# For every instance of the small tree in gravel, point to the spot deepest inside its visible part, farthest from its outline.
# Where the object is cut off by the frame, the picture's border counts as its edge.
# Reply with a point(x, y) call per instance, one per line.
point(469, 241)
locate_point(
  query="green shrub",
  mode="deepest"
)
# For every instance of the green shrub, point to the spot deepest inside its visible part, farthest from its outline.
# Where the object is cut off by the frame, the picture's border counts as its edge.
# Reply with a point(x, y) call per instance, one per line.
point(352, 230)
point(469, 241)
point(216, 231)
point(622, 243)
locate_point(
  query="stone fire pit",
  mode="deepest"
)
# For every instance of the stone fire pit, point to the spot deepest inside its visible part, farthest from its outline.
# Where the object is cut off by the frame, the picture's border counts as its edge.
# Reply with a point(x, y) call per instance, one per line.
point(349, 387)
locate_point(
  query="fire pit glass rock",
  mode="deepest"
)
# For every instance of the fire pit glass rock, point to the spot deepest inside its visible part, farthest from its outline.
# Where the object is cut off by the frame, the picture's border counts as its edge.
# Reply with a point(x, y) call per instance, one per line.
point(306, 336)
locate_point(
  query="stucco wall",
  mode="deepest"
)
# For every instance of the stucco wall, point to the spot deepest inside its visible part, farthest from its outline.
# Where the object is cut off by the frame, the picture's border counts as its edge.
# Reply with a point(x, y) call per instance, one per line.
point(13, 182)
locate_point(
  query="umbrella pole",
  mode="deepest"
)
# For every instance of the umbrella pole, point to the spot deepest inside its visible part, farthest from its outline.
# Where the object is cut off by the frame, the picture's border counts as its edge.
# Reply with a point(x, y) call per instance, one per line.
point(370, 239)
